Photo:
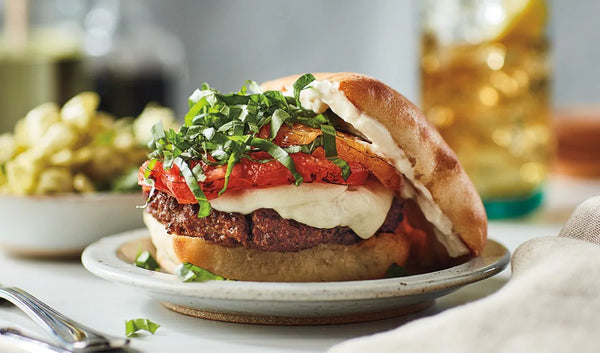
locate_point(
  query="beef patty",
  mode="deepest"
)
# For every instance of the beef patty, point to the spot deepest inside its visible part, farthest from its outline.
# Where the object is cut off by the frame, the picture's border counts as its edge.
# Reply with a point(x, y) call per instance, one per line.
point(262, 229)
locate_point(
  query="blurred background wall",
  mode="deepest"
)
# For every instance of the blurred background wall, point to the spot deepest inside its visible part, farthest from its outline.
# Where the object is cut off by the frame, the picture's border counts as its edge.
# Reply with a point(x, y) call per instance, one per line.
point(230, 41)
point(576, 36)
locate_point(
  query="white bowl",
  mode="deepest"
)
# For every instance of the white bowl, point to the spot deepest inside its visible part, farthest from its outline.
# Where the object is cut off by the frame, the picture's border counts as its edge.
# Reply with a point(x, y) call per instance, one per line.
point(63, 225)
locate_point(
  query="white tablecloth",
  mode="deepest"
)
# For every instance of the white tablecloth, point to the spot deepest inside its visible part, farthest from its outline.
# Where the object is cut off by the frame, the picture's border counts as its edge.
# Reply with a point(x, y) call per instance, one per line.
point(68, 287)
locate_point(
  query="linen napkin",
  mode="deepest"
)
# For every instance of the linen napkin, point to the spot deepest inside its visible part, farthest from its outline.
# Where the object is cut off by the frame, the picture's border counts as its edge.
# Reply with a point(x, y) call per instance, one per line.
point(551, 303)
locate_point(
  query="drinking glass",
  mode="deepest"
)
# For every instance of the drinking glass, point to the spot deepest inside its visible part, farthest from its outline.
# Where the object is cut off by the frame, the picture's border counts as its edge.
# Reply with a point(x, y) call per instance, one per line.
point(485, 79)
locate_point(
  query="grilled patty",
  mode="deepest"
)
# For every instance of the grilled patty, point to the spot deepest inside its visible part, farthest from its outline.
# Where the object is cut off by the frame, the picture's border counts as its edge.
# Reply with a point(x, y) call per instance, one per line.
point(262, 229)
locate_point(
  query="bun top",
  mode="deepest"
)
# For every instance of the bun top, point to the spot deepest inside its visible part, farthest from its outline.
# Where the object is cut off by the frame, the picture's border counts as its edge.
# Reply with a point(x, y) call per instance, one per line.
point(400, 133)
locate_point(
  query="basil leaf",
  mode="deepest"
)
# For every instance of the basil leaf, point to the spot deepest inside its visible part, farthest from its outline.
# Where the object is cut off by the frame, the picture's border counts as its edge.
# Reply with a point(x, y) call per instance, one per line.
point(188, 272)
point(321, 119)
point(199, 173)
point(234, 157)
point(251, 86)
point(234, 99)
point(150, 167)
point(293, 149)
point(199, 94)
point(396, 270)
point(192, 183)
point(300, 84)
point(276, 98)
point(277, 119)
point(135, 325)
point(158, 132)
point(310, 122)
point(194, 110)
point(209, 133)
point(329, 146)
point(145, 260)
point(280, 155)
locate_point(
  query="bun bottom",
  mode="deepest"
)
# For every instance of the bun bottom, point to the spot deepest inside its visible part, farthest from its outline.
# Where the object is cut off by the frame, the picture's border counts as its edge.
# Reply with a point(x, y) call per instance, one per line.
point(367, 259)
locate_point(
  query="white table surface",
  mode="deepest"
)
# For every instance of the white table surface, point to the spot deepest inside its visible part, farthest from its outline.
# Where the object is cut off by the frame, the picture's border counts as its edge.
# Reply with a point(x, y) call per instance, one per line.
point(69, 288)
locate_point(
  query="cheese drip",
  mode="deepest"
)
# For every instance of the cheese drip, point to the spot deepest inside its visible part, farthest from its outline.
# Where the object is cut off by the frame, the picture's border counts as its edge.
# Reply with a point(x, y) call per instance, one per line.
point(322, 95)
point(362, 208)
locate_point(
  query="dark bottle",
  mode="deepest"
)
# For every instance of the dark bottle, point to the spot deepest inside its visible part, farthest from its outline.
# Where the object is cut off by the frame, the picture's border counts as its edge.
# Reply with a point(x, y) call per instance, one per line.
point(132, 60)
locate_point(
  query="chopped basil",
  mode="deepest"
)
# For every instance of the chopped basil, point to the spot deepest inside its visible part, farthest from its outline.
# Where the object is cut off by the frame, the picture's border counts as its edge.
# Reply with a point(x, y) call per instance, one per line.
point(329, 134)
point(222, 129)
point(279, 154)
point(277, 119)
point(188, 272)
point(301, 84)
point(192, 183)
point(135, 325)
point(145, 260)
point(396, 270)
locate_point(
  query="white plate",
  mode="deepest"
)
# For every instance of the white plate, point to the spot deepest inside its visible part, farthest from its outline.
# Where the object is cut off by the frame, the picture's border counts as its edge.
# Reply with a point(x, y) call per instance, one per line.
point(64, 224)
point(285, 303)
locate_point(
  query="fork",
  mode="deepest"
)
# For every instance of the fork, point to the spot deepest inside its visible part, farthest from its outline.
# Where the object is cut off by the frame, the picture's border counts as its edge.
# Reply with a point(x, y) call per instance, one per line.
point(28, 343)
point(68, 334)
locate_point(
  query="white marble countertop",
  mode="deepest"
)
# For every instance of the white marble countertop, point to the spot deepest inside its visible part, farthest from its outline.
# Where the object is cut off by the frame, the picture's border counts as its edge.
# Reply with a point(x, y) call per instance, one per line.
point(69, 288)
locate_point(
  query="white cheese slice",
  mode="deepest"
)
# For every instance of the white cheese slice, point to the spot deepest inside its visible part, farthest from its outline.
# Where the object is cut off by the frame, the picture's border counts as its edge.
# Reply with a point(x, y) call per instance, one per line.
point(362, 208)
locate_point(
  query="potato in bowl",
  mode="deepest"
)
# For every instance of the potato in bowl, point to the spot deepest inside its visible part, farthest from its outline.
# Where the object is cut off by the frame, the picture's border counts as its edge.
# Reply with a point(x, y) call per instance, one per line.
point(68, 176)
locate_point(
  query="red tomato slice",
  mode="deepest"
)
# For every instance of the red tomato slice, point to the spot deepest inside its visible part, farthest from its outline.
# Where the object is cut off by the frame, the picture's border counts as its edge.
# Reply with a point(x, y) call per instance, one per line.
point(349, 148)
point(314, 168)
point(246, 174)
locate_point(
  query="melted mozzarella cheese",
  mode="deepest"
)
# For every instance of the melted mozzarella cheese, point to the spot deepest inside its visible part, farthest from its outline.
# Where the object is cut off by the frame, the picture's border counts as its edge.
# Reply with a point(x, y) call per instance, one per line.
point(362, 208)
point(325, 94)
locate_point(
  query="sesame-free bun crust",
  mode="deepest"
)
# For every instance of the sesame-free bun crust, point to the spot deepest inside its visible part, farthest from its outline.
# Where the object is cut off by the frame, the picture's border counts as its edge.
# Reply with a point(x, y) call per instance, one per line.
point(368, 259)
point(434, 164)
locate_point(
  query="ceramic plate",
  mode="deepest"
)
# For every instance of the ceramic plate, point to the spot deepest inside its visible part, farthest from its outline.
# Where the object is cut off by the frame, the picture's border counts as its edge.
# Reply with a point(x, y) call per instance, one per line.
point(285, 303)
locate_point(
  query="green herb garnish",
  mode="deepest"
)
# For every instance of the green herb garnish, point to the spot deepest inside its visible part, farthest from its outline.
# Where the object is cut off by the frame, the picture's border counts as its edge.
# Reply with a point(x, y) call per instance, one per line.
point(145, 260)
point(188, 272)
point(221, 129)
point(192, 183)
point(396, 270)
point(331, 150)
point(135, 325)
point(301, 84)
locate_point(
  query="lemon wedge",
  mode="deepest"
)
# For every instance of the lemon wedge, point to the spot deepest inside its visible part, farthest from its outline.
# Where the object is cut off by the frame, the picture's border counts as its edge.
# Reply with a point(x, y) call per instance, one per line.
point(523, 19)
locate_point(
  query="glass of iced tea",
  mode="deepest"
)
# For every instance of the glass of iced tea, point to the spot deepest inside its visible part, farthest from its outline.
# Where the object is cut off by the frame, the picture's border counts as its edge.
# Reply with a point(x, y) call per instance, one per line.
point(485, 76)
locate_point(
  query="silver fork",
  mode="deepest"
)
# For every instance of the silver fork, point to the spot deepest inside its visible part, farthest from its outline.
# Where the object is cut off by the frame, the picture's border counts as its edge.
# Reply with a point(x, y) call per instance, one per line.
point(28, 343)
point(68, 334)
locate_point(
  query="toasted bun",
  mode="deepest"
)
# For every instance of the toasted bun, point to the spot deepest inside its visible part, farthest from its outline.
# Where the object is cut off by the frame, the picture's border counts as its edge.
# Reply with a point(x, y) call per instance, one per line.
point(368, 259)
point(428, 164)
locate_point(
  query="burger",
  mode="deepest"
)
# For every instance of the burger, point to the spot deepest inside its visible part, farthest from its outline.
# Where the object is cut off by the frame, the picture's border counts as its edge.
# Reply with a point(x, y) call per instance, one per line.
point(325, 177)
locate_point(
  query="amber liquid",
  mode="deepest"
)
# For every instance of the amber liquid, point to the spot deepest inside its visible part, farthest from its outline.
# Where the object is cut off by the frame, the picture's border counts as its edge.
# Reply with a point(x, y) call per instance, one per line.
point(490, 102)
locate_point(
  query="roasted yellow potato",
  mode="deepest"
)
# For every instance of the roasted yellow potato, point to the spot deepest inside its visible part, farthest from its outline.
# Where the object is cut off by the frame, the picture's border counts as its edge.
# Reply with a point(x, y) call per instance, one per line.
point(75, 148)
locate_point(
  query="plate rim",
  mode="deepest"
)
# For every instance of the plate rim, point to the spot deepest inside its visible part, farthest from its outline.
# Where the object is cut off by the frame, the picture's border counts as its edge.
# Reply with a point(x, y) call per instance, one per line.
point(101, 259)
